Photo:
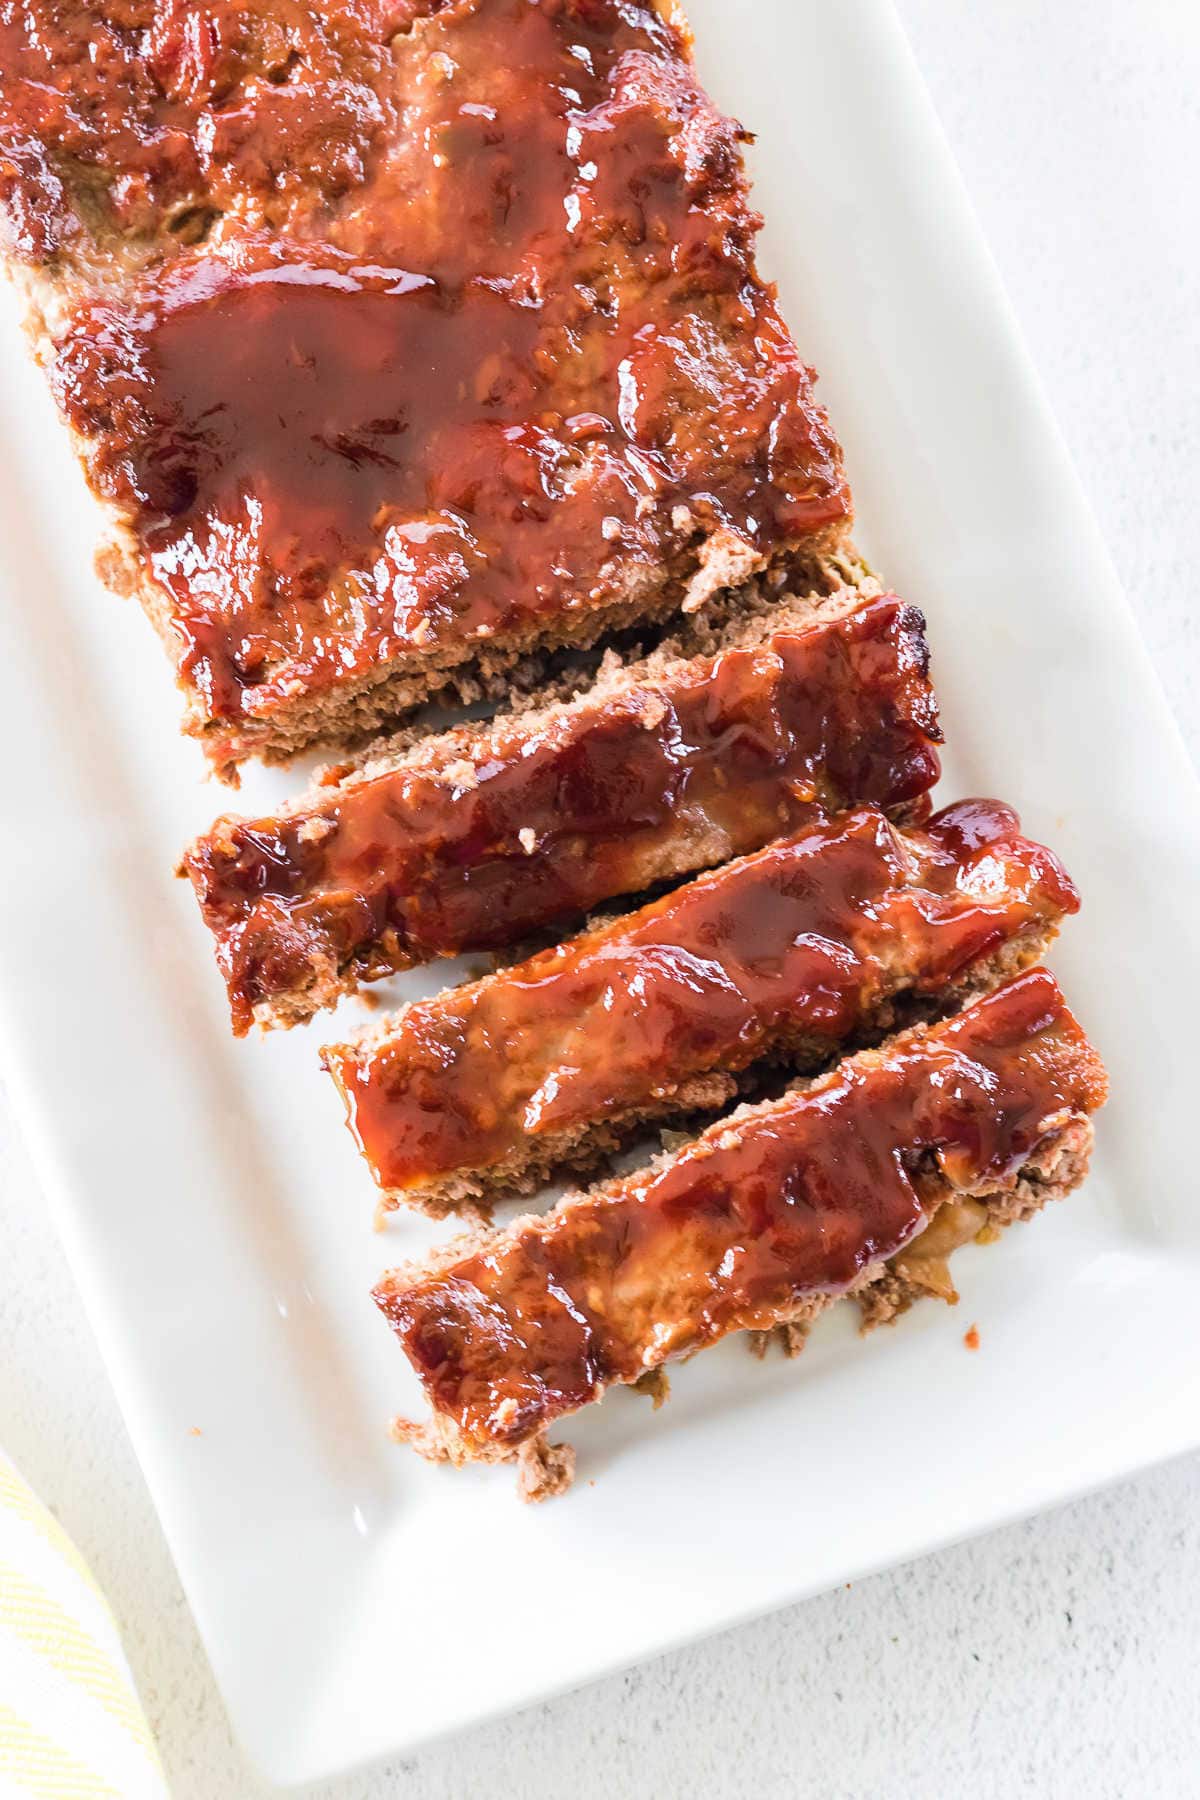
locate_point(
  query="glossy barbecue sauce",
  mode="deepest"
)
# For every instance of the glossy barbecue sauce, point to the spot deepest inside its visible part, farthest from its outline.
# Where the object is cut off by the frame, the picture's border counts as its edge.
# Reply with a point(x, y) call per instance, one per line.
point(745, 1224)
point(519, 365)
point(711, 759)
point(792, 948)
point(142, 123)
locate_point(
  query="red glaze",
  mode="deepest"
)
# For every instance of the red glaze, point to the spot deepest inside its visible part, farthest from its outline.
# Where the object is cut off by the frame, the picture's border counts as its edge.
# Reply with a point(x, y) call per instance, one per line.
point(114, 115)
point(795, 947)
point(532, 824)
point(743, 1226)
point(498, 365)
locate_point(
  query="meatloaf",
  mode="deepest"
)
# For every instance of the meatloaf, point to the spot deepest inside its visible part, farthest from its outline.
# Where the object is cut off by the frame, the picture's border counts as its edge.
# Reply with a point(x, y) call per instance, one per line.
point(473, 839)
point(816, 941)
point(402, 338)
point(766, 1219)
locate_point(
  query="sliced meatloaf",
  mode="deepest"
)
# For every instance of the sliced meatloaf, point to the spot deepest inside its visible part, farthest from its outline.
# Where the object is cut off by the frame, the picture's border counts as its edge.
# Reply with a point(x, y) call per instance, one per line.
point(475, 838)
point(820, 939)
point(765, 1220)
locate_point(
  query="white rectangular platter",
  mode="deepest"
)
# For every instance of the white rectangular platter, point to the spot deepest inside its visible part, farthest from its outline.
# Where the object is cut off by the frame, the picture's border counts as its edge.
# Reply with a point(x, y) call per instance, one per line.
point(355, 1602)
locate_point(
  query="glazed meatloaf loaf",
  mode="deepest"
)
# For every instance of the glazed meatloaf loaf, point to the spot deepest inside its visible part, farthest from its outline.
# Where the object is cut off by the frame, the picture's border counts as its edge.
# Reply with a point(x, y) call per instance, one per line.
point(766, 1219)
point(402, 339)
point(819, 939)
point(476, 838)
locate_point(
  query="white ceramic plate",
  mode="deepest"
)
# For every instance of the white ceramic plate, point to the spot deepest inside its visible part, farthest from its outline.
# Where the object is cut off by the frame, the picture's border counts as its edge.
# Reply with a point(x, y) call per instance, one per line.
point(355, 1602)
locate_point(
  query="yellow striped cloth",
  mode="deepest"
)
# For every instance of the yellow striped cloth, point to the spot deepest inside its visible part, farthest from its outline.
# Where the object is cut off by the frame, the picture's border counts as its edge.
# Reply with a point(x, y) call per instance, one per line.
point(71, 1727)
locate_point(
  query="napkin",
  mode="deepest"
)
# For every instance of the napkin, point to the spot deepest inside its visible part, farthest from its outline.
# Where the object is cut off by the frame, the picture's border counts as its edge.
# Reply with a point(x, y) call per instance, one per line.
point(71, 1726)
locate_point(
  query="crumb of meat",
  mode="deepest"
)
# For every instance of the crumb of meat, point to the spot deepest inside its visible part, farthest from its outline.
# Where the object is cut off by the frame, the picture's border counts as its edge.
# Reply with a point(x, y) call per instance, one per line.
point(887, 1297)
point(544, 1470)
point(655, 1385)
point(790, 1335)
point(421, 1435)
point(461, 773)
point(971, 1338)
point(726, 561)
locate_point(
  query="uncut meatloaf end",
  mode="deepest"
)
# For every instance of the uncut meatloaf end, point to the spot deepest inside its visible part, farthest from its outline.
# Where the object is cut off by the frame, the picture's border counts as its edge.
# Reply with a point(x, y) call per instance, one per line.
point(403, 344)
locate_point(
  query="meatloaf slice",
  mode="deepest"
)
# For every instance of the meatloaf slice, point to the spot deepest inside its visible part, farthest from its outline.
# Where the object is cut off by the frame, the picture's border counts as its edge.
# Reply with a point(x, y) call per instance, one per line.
point(473, 839)
point(796, 950)
point(401, 339)
point(768, 1218)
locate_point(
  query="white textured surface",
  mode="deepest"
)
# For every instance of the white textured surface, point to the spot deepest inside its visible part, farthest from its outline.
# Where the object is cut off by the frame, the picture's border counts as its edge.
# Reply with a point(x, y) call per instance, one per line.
point(1055, 1658)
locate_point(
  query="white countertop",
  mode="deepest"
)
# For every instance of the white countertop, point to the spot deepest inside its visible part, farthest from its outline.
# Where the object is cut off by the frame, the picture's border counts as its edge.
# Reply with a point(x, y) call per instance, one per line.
point(1056, 1658)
